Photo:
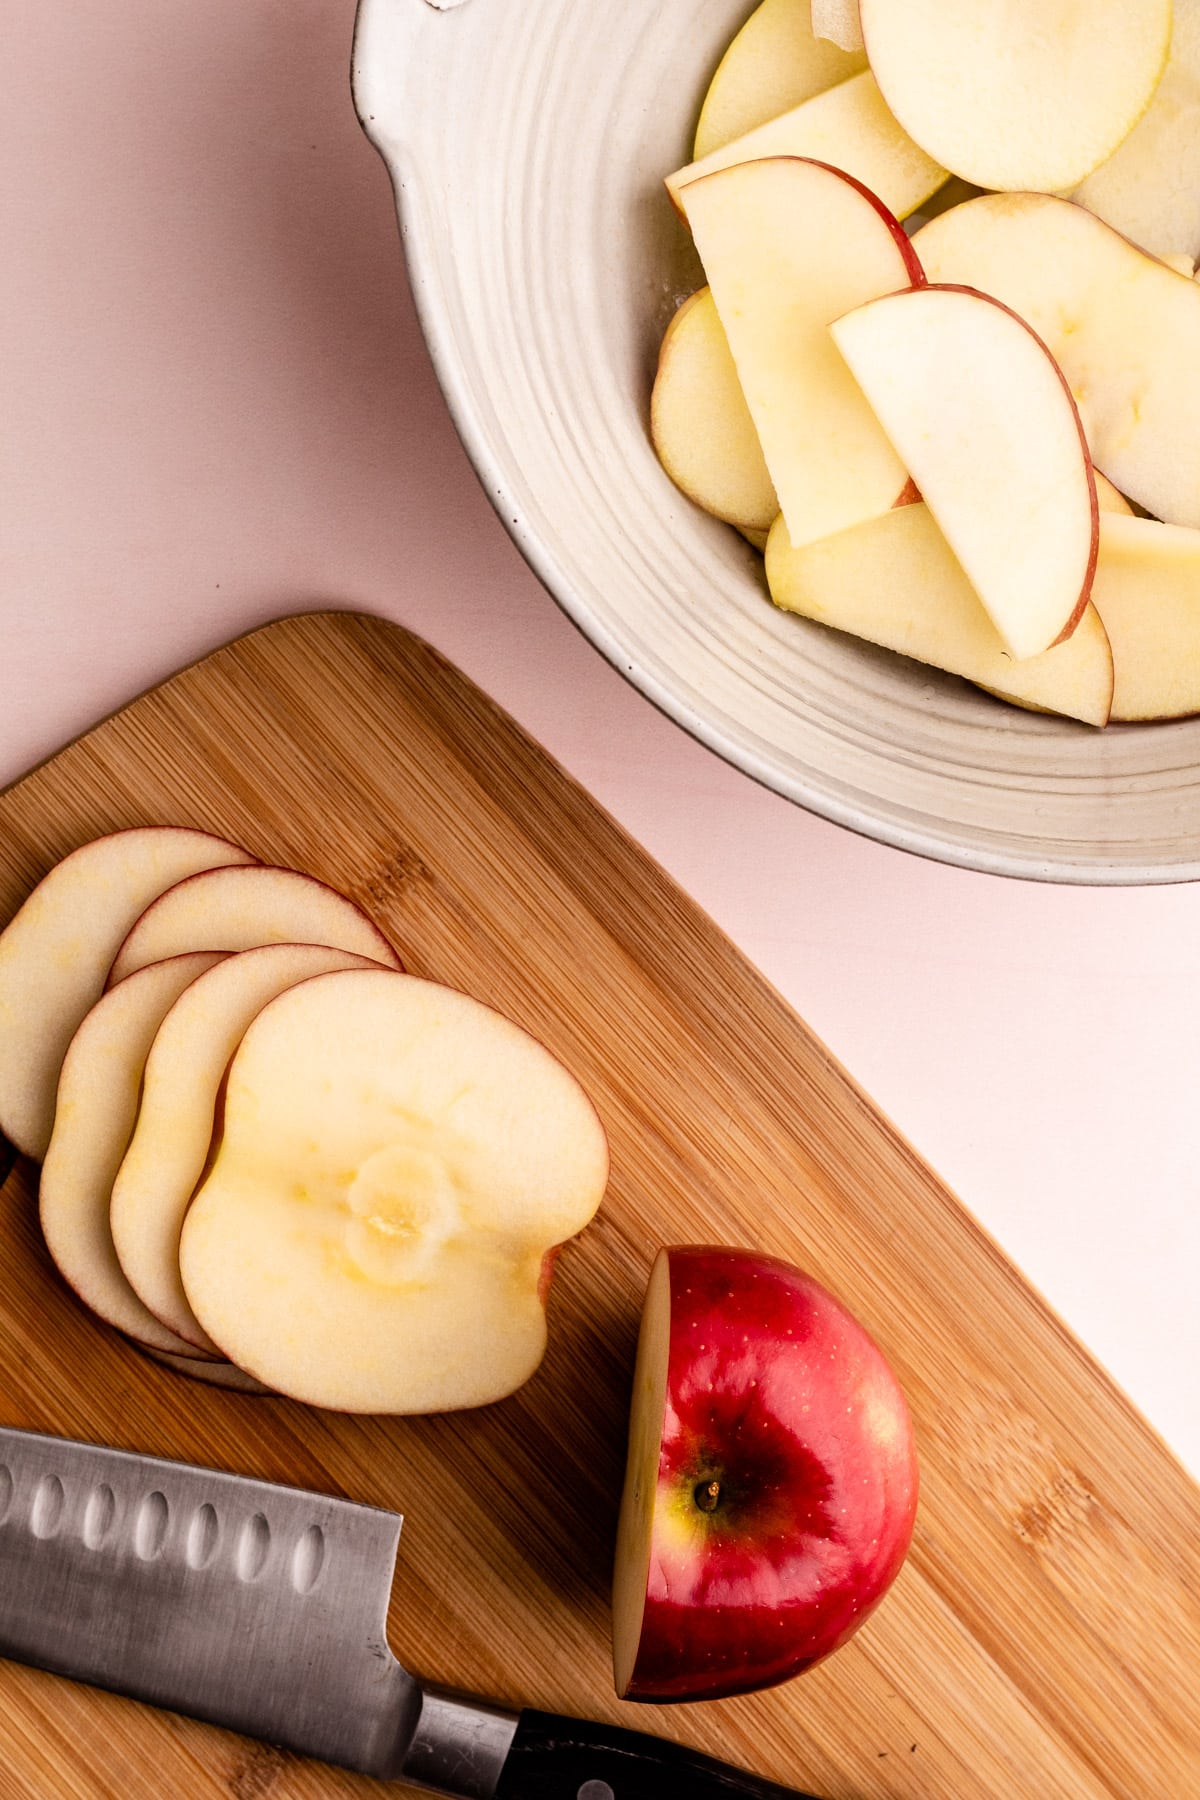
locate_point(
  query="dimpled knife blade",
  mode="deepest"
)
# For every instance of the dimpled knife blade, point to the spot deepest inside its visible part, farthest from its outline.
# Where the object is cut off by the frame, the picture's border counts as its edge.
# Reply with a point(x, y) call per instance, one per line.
point(257, 1607)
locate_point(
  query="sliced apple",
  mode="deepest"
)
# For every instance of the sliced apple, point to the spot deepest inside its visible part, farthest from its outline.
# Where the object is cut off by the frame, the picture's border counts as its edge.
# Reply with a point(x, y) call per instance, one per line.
point(894, 581)
point(98, 1094)
point(56, 952)
point(216, 1374)
point(1148, 594)
point(166, 1154)
point(1124, 329)
point(1148, 189)
point(848, 127)
point(395, 1164)
point(700, 423)
point(277, 906)
point(1018, 93)
point(839, 21)
point(979, 412)
point(774, 63)
point(789, 246)
point(1180, 263)
point(1108, 498)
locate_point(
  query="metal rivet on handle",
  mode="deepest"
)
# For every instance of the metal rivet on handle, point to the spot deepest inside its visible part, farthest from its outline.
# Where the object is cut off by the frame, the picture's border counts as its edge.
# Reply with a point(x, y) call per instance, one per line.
point(595, 1790)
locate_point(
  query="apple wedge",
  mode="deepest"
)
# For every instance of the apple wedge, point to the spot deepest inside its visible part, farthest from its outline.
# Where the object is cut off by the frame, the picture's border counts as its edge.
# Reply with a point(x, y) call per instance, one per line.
point(771, 1482)
point(774, 64)
point(894, 581)
point(56, 952)
point(1148, 594)
point(395, 1165)
point(850, 128)
point(979, 413)
point(1108, 498)
point(98, 1093)
point(1018, 93)
point(183, 1071)
point(1124, 329)
point(277, 906)
point(1148, 189)
point(700, 424)
point(839, 21)
point(788, 247)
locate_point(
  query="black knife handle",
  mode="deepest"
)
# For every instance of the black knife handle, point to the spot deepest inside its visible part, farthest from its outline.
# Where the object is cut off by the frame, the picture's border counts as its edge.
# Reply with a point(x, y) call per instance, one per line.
point(568, 1759)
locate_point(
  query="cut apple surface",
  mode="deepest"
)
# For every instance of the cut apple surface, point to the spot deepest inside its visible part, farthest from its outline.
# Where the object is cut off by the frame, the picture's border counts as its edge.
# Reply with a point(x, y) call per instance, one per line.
point(788, 247)
point(1108, 498)
point(184, 1067)
point(894, 581)
point(850, 128)
point(56, 952)
point(395, 1164)
point(220, 910)
point(839, 21)
point(98, 1095)
point(1148, 189)
point(1018, 94)
point(771, 1482)
point(774, 64)
point(1124, 329)
point(1147, 592)
point(700, 423)
point(980, 415)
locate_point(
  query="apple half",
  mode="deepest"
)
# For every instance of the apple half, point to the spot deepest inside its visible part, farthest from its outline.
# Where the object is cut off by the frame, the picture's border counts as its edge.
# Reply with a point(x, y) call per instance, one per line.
point(850, 128)
point(1018, 94)
point(56, 952)
point(771, 1483)
point(895, 582)
point(395, 1166)
point(788, 247)
point(700, 424)
point(184, 1067)
point(980, 415)
point(774, 64)
point(219, 910)
point(1124, 329)
point(98, 1094)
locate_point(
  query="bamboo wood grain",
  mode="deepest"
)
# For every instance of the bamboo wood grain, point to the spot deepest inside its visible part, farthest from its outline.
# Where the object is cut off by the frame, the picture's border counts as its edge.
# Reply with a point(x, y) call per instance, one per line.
point(1045, 1635)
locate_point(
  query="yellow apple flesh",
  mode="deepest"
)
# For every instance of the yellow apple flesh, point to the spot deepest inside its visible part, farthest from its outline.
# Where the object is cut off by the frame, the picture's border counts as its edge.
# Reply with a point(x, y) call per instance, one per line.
point(394, 1166)
point(775, 63)
point(1147, 591)
point(56, 952)
point(839, 21)
point(1018, 94)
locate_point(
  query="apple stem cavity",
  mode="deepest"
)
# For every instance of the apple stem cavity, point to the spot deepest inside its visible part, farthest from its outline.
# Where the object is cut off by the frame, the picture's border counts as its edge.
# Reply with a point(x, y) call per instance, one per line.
point(707, 1495)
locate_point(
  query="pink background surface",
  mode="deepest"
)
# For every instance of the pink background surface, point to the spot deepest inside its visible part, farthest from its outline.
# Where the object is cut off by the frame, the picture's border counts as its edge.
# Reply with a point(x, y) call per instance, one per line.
point(217, 408)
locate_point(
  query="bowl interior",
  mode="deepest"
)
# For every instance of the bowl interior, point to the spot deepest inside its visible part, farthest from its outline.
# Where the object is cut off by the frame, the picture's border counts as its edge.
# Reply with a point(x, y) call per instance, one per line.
point(528, 146)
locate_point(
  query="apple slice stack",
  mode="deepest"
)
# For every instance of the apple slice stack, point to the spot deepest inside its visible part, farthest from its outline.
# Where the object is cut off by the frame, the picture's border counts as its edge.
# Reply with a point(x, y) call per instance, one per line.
point(947, 425)
point(271, 1158)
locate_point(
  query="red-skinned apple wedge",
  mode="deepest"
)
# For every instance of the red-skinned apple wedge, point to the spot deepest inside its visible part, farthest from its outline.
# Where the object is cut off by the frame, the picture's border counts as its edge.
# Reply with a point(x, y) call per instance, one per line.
point(771, 1485)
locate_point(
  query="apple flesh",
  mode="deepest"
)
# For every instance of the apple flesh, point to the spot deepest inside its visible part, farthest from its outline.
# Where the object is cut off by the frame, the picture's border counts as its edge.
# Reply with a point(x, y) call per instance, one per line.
point(221, 910)
point(774, 64)
point(1124, 329)
point(1148, 594)
point(98, 1094)
point(980, 415)
point(788, 247)
point(1018, 94)
point(215, 1374)
point(184, 1067)
point(839, 21)
point(394, 1166)
point(771, 1484)
point(850, 128)
point(894, 581)
point(701, 426)
point(56, 952)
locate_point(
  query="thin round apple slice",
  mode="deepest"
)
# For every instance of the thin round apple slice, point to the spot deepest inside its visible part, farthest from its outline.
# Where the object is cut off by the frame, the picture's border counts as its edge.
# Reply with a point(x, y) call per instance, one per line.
point(56, 952)
point(771, 1485)
point(278, 906)
point(98, 1094)
point(184, 1067)
point(216, 1374)
point(395, 1165)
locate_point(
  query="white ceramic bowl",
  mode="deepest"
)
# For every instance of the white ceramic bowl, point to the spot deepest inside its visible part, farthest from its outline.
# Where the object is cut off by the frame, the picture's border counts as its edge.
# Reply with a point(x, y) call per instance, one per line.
point(527, 140)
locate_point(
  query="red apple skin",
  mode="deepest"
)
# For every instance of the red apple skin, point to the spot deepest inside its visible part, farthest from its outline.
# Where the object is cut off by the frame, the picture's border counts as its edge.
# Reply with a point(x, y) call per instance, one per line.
point(778, 1394)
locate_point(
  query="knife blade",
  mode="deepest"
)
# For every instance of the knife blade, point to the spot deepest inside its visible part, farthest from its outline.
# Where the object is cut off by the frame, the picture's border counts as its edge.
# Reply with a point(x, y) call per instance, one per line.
point(263, 1609)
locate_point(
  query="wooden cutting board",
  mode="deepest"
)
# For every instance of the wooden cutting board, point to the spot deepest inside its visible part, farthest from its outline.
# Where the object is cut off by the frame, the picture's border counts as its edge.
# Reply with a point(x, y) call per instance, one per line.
point(1045, 1635)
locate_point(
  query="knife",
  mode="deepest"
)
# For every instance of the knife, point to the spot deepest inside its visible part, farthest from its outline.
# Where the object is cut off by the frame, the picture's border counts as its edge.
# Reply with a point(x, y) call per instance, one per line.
point(264, 1609)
